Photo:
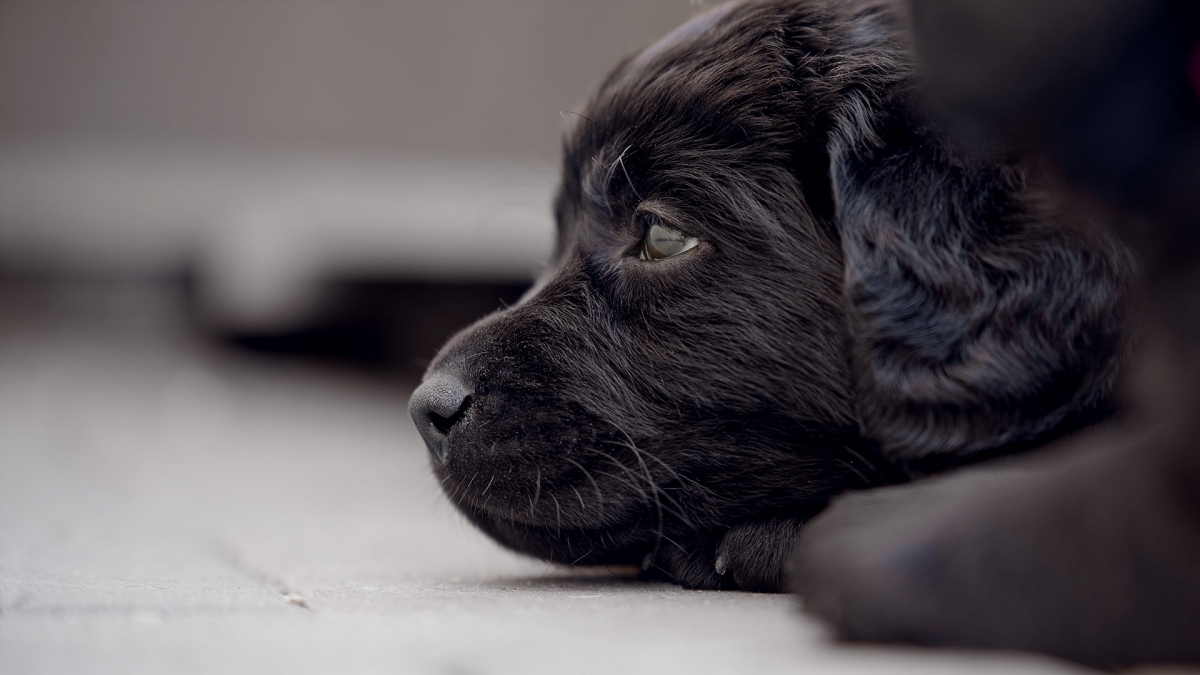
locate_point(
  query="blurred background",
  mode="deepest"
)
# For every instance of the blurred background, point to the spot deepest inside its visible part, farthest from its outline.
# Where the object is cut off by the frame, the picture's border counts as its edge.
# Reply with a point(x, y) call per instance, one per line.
point(232, 234)
point(350, 179)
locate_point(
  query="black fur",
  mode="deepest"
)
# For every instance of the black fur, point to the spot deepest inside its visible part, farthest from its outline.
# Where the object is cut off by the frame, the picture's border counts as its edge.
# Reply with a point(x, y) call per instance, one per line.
point(1087, 550)
point(865, 306)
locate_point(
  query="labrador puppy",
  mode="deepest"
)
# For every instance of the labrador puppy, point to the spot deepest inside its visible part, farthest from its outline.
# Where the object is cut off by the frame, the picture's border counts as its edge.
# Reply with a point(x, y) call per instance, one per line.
point(774, 282)
point(778, 280)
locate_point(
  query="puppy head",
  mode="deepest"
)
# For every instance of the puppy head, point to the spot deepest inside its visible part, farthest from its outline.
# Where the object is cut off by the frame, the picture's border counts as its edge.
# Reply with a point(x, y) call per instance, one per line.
point(685, 363)
point(682, 362)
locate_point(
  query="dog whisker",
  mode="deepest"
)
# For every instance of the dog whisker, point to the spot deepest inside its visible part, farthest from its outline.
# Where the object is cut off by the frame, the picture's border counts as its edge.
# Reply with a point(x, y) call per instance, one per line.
point(583, 117)
point(653, 486)
point(621, 160)
point(558, 515)
point(657, 490)
point(672, 542)
point(627, 483)
point(612, 169)
point(626, 469)
point(460, 492)
point(576, 561)
point(864, 460)
point(645, 496)
point(595, 485)
point(538, 494)
point(850, 465)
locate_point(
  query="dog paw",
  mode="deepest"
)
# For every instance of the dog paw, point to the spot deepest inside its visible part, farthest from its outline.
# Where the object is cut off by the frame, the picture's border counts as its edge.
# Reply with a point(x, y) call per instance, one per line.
point(756, 556)
point(861, 566)
point(689, 564)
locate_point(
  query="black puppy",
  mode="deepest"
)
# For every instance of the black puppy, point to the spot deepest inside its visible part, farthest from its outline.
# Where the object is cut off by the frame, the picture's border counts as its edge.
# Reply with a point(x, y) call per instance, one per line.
point(773, 283)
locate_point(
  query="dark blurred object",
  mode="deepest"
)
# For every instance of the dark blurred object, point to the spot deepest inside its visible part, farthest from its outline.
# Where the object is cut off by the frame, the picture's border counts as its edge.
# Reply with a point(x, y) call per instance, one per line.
point(392, 326)
point(1093, 552)
point(1107, 87)
point(1109, 90)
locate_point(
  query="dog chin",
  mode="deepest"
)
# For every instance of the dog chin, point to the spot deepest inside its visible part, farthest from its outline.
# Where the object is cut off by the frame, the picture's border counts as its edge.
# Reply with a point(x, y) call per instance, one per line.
point(494, 502)
point(611, 545)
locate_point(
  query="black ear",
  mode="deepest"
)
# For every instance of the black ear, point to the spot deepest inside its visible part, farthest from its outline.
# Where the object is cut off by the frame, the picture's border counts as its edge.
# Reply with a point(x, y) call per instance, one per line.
point(982, 319)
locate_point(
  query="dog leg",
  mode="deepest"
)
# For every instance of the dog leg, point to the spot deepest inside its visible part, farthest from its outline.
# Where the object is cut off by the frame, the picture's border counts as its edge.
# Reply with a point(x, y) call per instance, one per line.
point(756, 556)
point(1089, 555)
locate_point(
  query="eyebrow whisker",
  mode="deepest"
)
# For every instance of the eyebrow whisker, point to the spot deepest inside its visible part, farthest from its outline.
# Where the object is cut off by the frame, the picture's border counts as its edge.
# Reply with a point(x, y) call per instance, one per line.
point(562, 113)
point(621, 161)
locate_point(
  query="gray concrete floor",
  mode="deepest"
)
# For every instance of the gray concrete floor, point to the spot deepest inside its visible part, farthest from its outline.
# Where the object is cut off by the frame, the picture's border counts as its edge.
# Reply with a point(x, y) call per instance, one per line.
point(166, 507)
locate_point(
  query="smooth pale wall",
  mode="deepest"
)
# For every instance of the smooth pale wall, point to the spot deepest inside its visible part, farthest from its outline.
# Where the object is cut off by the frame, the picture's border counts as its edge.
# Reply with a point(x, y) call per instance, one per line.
point(440, 77)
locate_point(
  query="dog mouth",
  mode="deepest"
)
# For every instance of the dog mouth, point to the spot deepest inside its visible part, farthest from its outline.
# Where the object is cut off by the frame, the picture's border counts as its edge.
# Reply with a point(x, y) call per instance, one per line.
point(486, 498)
point(551, 494)
point(552, 465)
point(542, 529)
point(569, 496)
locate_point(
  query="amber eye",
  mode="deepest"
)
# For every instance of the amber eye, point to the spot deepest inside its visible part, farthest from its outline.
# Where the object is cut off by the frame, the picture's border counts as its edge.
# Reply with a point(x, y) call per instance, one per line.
point(663, 241)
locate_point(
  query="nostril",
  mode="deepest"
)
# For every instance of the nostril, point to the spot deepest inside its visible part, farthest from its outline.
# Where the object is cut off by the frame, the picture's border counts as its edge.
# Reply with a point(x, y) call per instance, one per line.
point(444, 423)
point(436, 406)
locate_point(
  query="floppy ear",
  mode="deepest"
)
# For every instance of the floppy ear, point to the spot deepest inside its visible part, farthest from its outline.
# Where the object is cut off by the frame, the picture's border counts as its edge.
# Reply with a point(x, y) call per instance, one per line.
point(980, 317)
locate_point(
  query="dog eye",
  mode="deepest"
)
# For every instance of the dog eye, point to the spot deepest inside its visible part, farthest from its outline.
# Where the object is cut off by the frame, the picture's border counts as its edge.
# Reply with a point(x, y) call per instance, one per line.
point(663, 241)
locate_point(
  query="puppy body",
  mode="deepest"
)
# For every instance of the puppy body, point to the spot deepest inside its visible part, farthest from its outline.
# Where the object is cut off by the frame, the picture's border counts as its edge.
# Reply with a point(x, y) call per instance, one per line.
point(863, 306)
point(1087, 550)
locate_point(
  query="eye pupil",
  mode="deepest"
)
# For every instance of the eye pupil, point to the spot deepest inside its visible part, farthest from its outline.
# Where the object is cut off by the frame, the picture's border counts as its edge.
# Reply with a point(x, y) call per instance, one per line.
point(664, 242)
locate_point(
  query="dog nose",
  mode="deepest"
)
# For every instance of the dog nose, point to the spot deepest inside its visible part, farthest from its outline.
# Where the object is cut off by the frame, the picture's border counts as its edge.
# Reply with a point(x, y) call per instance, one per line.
point(435, 407)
